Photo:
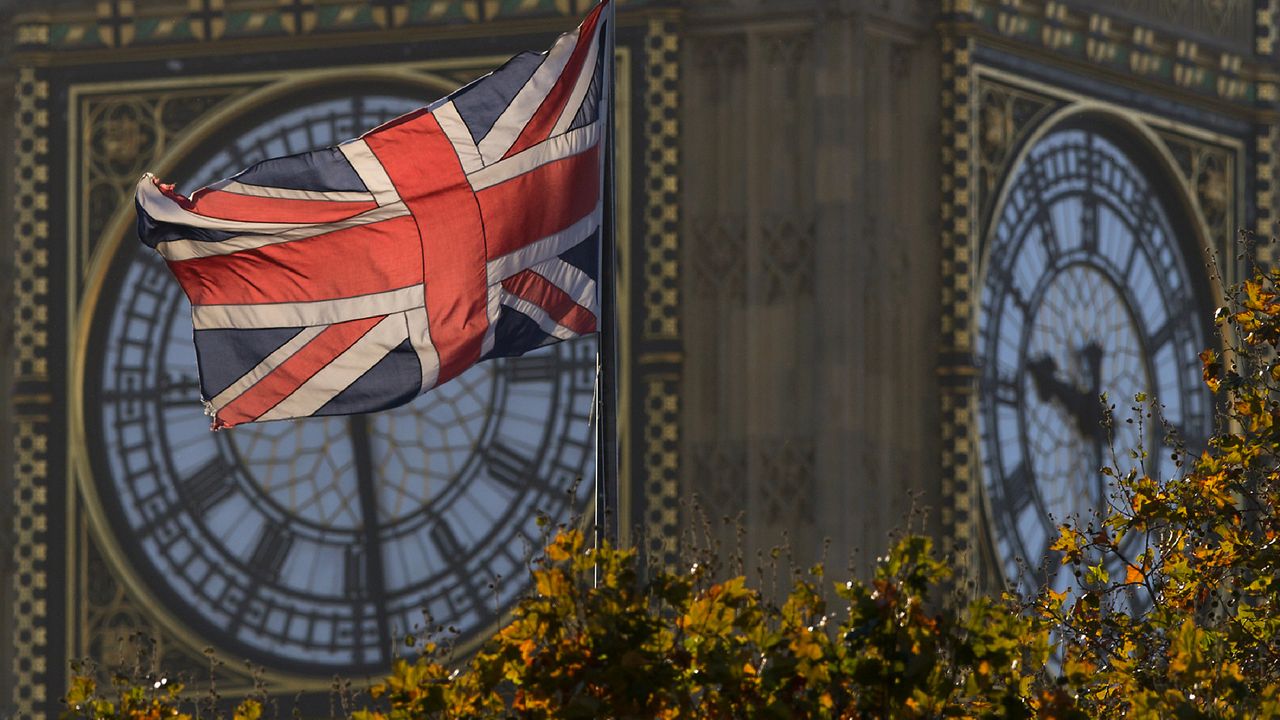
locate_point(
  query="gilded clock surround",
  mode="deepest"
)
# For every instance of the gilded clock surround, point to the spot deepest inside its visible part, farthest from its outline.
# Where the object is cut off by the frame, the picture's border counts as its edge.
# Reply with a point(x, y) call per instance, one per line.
point(97, 134)
point(135, 607)
point(1096, 125)
point(114, 126)
point(992, 115)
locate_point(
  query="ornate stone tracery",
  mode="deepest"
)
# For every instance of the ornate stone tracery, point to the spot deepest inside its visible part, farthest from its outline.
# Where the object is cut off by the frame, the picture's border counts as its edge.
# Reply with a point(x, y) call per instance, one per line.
point(1006, 116)
point(786, 481)
point(718, 263)
point(1208, 173)
point(127, 133)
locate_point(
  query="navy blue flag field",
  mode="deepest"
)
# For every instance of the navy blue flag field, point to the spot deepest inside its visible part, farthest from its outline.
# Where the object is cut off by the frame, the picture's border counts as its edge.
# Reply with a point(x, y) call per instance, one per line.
point(353, 278)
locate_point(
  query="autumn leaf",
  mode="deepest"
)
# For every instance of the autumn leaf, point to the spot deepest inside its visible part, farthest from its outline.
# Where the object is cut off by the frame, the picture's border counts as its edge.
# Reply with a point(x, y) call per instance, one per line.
point(1133, 575)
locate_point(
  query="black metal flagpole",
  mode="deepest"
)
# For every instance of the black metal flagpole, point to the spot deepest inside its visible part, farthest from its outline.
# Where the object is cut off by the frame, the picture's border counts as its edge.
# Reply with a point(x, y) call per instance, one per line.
point(606, 420)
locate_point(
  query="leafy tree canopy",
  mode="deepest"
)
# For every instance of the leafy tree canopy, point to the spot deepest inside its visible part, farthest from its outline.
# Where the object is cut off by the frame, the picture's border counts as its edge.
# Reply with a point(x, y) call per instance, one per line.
point(1174, 611)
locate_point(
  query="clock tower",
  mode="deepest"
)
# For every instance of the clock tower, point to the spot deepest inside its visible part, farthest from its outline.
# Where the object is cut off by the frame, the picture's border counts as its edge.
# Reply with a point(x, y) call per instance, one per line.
point(308, 548)
point(877, 261)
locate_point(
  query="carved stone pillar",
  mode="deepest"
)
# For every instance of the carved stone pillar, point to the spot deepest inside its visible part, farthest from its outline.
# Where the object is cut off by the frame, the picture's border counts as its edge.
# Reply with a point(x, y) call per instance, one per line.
point(811, 314)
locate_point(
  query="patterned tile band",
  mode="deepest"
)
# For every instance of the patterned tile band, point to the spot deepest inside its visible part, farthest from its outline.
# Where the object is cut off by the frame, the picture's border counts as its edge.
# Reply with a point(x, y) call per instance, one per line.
point(120, 23)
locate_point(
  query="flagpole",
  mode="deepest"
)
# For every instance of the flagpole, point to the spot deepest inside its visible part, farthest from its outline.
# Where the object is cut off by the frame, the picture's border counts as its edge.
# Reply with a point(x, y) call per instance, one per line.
point(606, 420)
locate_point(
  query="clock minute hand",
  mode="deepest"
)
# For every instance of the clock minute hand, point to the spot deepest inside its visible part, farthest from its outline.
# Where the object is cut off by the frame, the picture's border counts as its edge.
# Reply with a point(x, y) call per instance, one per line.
point(1095, 414)
point(1081, 405)
point(1091, 409)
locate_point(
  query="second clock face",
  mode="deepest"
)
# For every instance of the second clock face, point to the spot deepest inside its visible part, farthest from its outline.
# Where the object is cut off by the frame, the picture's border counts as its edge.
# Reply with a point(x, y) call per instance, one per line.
point(310, 545)
point(1087, 290)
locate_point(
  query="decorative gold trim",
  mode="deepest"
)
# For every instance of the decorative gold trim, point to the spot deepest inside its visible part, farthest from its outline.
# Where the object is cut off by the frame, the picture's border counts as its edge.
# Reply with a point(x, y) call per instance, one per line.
point(661, 289)
point(1264, 27)
point(662, 467)
point(113, 237)
point(660, 292)
point(31, 228)
point(1266, 172)
point(956, 385)
point(31, 584)
point(35, 32)
point(1006, 114)
point(30, 440)
point(1134, 50)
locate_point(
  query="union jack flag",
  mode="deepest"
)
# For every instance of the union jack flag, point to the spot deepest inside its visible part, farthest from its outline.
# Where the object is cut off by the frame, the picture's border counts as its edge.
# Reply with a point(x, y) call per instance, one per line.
point(353, 278)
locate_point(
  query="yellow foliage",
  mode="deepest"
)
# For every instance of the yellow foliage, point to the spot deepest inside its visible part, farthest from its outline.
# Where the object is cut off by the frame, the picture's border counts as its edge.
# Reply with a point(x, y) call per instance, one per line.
point(1173, 612)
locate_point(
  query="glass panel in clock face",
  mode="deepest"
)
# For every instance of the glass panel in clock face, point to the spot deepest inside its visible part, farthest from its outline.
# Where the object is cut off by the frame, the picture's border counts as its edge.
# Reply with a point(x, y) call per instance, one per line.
point(309, 545)
point(1087, 290)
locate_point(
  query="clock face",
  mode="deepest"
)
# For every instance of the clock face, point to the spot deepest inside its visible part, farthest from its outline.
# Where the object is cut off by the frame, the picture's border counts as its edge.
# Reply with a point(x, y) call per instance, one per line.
point(309, 546)
point(1087, 290)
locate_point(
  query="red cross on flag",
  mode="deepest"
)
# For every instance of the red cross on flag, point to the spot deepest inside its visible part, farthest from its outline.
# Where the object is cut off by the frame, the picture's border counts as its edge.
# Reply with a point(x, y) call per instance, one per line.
point(353, 278)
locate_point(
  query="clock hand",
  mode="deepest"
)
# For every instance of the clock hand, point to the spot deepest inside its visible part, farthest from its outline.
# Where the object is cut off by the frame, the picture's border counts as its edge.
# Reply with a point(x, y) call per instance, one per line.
point(1081, 405)
point(1093, 358)
point(1092, 412)
point(1092, 354)
point(1044, 373)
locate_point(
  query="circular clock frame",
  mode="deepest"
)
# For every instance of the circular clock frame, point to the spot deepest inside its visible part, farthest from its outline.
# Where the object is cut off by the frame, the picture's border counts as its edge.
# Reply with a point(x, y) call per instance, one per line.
point(105, 270)
point(1148, 157)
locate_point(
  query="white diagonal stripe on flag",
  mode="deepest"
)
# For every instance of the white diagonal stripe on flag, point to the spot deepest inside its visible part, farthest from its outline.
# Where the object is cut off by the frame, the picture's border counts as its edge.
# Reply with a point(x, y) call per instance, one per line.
point(419, 330)
point(175, 250)
point(303, 314)
point(371, 172)
point(513, 120)
point(460, 136)
point(239, 188)
point(576, 284)
point(493, 307)
point(580, 89)
point(345, 369)
point(538, 315)
point(501, 268)
point(556, 148)
point(165, 209)
point(261, 370)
